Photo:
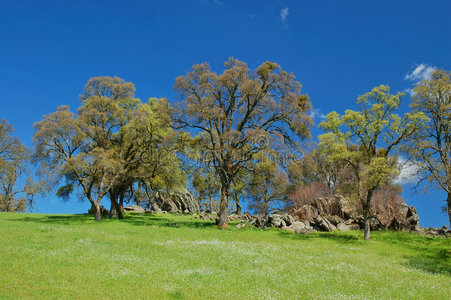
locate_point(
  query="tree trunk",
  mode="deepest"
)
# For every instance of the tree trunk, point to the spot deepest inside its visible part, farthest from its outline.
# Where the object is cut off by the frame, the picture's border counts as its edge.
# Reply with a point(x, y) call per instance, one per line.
point(238, 205)
point(367, 227)
point(366, 215)
point(98, 213)
point(113, 210)
point(120, 208)
point(223, 207)
point(448, 202)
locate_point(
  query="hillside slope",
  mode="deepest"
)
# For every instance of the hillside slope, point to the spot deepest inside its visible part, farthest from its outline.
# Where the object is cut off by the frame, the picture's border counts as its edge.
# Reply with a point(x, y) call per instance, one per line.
point(179, 257)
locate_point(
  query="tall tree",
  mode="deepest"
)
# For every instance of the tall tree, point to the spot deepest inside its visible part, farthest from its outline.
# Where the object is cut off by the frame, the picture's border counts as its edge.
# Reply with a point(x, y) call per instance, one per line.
point(114, 142)
point(237, 109)
point(366, 139)
point(432, 150)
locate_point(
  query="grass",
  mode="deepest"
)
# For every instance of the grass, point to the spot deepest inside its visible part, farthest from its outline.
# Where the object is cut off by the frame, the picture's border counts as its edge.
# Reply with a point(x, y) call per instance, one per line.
point(146, 256)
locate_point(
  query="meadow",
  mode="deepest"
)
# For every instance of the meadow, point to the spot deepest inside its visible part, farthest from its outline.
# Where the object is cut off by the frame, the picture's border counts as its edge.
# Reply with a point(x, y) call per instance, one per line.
point(167, 256)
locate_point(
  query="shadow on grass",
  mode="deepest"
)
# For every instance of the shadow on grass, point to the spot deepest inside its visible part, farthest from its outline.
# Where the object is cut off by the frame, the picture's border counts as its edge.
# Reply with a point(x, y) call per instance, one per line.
point(348, 238)
point(132, 219)
point(158, 220)
point(56, 219)
point(435, 261)
point(430, 254)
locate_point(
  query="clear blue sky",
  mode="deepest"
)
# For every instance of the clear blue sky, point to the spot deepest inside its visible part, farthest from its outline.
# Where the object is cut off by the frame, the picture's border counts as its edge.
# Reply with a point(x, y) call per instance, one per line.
point(337, 49)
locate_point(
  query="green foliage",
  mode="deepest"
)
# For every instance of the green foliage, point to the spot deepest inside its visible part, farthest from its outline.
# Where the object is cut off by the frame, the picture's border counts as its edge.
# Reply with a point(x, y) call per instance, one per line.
point(366, 139)
point(268, 186)
point(432, 150)
point(235, 111)
point(14, 165)
point(145, 256)
point(113, 146)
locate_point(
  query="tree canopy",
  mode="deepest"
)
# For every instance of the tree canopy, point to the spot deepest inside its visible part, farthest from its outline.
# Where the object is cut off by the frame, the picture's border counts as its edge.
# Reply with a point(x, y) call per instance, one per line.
point(237, 110)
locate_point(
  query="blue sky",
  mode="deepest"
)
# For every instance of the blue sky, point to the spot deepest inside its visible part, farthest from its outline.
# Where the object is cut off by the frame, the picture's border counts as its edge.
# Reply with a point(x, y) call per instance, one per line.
point(337, 50)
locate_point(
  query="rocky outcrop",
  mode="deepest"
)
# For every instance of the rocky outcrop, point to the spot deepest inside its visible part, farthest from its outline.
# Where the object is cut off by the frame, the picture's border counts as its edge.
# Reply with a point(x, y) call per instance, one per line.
point(175, 202)
point(134, 208)
point(438, 232)
point(407, 221)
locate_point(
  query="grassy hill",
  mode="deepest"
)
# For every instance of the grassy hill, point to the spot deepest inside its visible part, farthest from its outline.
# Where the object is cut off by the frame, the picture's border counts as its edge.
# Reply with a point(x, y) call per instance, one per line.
point(148, 256)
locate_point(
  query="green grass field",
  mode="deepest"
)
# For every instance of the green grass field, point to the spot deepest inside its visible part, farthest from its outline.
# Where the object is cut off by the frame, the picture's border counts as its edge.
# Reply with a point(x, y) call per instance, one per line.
point(145, 256)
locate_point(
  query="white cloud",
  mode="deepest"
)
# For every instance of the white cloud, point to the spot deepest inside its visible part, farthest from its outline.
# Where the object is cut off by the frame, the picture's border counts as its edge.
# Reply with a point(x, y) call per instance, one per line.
point(284, 13)
point(409, 172)
point(421, 72)
point(315, 113)
point(411, 92)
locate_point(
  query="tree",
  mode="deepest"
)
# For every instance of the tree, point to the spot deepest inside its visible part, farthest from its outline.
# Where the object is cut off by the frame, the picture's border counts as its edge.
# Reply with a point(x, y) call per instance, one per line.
point(14, 158)
point(114, 142)
point(366, 139)
point(206, 185)
point(432, 150)
point(268, 186)
point(238, 109)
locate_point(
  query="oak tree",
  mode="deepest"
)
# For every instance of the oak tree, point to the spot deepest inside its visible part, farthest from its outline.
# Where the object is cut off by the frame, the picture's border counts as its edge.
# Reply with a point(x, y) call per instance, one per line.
point(238, 108)
point(366, 140)
point(432, 150)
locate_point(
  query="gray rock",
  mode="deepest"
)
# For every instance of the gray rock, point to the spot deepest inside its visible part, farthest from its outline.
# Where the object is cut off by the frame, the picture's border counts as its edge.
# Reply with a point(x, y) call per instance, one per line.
point(342, 227)
point(134, 208)
point(176, 202)
point(323, 224)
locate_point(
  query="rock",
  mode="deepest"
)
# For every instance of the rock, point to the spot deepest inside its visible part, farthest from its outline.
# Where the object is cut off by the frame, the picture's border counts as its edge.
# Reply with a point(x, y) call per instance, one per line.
point(206, 216)
point(412, 219)
point(275, 220)
point(307, 212)
point(155, 208)
point(403, 209)
point(176, 202)
point(241, 225)
point(353, 226)
point(297, 226)
point(342, 227)
point(394, 224)
point(335, 220)
point(134, 208)
point(278, 220)
point(375, 224)
point(323, 224)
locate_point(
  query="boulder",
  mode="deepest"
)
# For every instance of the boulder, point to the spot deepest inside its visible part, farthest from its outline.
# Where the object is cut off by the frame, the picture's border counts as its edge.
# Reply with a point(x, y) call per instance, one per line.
point(335, 220)
point(394, 224)
point(134, 208)
point(375, 224)
point(275, 220)
point(307, 212)
point(343, 227)
point(176, 202)
point(323, 224)
point(206, 216)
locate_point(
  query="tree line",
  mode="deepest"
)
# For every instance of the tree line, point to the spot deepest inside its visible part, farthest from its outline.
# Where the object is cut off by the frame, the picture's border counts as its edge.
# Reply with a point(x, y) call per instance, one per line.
point(233, 137)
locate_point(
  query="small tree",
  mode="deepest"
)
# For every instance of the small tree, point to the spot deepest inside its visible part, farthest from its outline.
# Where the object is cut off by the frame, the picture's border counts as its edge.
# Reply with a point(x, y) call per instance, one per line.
point(432, 150)
point(14, 159)
point(268, 187)
point(365, 140)
point(237, 109)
